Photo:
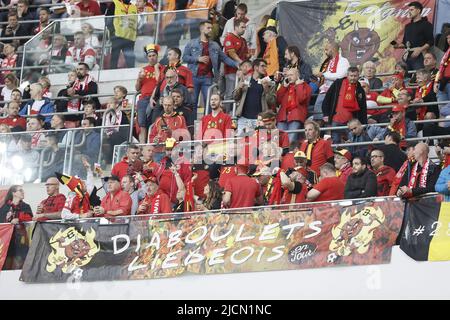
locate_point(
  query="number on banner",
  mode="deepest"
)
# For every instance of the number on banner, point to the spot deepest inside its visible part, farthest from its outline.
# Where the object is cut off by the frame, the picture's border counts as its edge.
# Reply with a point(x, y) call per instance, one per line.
point(438, 226)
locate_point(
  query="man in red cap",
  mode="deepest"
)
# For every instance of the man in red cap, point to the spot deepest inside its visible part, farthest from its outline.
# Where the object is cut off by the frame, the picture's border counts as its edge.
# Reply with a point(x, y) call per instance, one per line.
point(146, 83)
point(301, 163)
point(216, 124)
point(242, 191)
point(116, 202)
point(156, 201)
point(399, 123)
point(343, 164)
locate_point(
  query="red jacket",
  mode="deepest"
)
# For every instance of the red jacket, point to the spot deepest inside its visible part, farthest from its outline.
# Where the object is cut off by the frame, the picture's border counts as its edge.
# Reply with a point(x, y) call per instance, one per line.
point(123, 168)
point(302, 95)
point(120, 200)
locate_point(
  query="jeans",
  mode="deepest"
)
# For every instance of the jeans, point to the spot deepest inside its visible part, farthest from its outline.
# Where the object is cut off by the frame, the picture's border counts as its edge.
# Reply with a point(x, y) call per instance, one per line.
point(230, 81)
point(444, 109)
point(318, 115)
point(201, 83)
point(291, 125)
point(125, 45)
point(244, 123)
point(337, 134)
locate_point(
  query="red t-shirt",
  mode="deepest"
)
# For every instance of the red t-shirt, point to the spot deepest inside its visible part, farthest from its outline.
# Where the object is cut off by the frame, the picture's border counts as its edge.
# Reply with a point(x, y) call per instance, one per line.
point(120, 200)
point(226, 173)
point(289, 197)
point(168, 185)
point(210, 124)
point(244, 190)
point(149, 82)
point(53, 204)
point(157, 203)
point(321, 152)
point(205, 69)
point(92, 7)
point(331, 188)
point(239, 45)
point(13, 122)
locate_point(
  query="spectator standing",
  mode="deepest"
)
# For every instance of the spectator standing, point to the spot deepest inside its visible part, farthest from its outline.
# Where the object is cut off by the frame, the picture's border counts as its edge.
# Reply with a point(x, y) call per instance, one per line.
point(148, 79)
point(184, 74)
point(275, 50)
point(362, 183)
point(442, 80)
point(235, 47)
point(123, 30)
point(183, 108)
point(254, 96)
point(203, 57)
point(334, 67)
point(216, 124)
point(90, 39)
point(294, 60)
point(89, 8)
point(344, 100)
point(418, 36)
point(250, 30)
point(293, 97)
point(318, 151)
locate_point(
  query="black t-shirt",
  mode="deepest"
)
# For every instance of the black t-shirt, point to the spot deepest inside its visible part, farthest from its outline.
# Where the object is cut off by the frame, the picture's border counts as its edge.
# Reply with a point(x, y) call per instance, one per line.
point(252, 104)
point(418, 33)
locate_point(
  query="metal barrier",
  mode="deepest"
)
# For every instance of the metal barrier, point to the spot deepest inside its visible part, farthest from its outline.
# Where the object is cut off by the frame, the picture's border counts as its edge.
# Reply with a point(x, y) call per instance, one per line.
point(104, 21)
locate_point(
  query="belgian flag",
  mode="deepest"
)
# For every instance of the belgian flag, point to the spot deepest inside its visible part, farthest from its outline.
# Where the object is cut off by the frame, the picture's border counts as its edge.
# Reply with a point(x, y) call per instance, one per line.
point(426, 232)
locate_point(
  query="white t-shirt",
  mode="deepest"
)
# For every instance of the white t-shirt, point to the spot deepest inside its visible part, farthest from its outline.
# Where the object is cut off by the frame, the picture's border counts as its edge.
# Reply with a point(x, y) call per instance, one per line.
point(6, 94)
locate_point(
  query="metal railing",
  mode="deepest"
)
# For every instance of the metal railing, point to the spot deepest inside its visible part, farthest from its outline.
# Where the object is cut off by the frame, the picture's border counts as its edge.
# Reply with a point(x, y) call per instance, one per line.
point(105, 20)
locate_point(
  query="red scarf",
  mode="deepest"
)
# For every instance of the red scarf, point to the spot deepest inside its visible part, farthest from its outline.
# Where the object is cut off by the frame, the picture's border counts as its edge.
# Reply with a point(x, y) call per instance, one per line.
point(420, 94)
point(443, 66)
point(74, 104)
point(412, 179)
point(400, 127)
point(155, 205)
point(332, 66)
point(276, 192)
point(189, 203)
point(113, 119)
point(347, 96)
point(292, 98)
point(8, 62)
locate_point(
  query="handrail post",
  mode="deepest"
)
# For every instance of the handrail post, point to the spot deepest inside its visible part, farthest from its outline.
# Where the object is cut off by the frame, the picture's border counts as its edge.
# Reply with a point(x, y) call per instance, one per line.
point(51, 48)
point(102, 58)
point(23, 61)
point(130, 137)
point(208, 97)
point(158, 20)
point(72, 143)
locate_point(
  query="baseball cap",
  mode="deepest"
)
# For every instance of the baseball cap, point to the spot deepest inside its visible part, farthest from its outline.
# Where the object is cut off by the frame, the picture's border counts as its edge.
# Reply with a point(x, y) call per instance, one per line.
point(113, 177)
point(300, 154)
point(345, 153)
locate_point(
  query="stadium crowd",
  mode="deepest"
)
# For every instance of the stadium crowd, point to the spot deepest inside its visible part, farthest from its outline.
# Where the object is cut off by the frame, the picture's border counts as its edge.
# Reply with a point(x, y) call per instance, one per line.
point(267, 94)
